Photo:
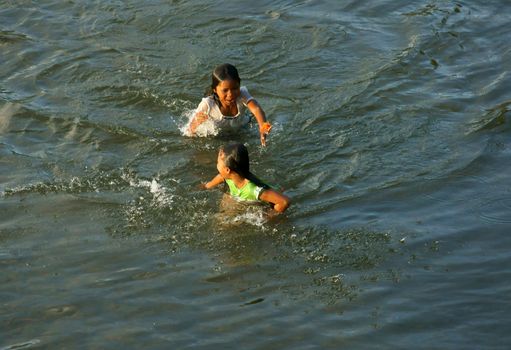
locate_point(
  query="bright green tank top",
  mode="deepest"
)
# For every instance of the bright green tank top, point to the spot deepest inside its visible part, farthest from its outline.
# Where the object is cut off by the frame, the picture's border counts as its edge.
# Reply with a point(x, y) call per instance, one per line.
point(249, 192)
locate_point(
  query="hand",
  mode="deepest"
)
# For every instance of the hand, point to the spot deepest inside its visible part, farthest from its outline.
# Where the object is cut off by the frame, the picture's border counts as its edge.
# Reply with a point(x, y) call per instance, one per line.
point(264, 130)
point(201, 117)
point(198, 119)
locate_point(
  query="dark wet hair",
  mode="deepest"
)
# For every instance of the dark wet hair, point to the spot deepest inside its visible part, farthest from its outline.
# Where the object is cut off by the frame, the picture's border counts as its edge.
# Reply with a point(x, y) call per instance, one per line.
point(220, 73)
point(236, 159)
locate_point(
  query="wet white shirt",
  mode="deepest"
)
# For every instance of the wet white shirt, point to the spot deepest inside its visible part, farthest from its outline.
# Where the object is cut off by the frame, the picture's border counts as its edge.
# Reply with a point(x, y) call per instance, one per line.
point(217, 121)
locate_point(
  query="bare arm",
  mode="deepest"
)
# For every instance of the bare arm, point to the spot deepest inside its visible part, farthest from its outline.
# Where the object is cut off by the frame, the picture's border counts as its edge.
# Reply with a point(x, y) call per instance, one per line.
point(217, 180)
point(280, 202)
point(264, 126)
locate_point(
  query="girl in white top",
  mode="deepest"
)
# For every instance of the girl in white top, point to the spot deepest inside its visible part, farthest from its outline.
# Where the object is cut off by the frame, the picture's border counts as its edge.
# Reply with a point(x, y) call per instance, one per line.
point(226, 104)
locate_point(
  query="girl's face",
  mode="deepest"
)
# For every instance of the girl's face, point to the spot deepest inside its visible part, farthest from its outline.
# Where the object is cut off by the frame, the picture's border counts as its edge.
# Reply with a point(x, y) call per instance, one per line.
point(220, 165)
point(228, 92)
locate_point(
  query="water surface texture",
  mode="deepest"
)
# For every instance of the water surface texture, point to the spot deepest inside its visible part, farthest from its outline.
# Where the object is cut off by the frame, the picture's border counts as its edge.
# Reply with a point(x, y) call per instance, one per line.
point(391, 134)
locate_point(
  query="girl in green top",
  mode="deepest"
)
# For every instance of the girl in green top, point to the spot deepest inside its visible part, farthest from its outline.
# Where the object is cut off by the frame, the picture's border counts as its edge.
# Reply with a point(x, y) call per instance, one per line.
point(233, 169)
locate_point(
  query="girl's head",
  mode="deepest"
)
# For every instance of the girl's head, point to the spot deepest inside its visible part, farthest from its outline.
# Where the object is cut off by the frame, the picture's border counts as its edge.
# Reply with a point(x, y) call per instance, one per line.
point(233, 157)
point(223, 72)
point(225, 84)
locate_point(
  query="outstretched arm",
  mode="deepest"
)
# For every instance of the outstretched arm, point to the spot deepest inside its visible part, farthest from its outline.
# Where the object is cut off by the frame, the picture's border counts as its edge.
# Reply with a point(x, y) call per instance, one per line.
point(264, 126)
point(217, 180)
point(280, 202)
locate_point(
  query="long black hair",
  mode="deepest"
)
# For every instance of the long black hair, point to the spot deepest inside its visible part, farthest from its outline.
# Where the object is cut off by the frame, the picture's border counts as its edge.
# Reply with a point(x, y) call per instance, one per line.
point(236, 159)
point(220, 73)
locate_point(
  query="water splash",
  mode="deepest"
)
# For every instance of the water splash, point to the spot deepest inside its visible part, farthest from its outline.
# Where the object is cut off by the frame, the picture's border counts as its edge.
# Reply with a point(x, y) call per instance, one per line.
point(161, 194)
point(208, 128)
point(92, 182)
point(251, 218)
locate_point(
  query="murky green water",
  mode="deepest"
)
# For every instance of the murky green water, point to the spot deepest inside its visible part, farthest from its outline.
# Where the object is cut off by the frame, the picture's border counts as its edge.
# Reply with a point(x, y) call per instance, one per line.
point(391, 135)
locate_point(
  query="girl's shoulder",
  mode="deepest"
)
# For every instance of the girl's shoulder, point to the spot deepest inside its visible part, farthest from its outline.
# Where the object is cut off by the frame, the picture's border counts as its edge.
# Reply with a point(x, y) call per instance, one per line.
point(245, 95)
point(209, 106)
point(206, 103)
point(208, 100)
point(249, 192)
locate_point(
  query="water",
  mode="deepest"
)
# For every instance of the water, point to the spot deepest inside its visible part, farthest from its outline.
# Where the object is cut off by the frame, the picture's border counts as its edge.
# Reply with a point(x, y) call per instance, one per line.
point(391, 135)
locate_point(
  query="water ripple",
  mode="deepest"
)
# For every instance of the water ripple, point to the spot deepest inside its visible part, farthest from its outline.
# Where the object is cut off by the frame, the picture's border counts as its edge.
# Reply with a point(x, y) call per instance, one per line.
point(496, 210)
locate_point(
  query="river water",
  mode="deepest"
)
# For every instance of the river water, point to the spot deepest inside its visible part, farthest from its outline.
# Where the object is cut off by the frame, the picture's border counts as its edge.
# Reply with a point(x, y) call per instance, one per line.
point(391, 135)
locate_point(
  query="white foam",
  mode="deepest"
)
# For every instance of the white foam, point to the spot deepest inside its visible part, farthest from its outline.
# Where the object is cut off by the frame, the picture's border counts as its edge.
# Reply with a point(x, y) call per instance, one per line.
point(208, 128)
point(161, 195)
point(255, 218)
